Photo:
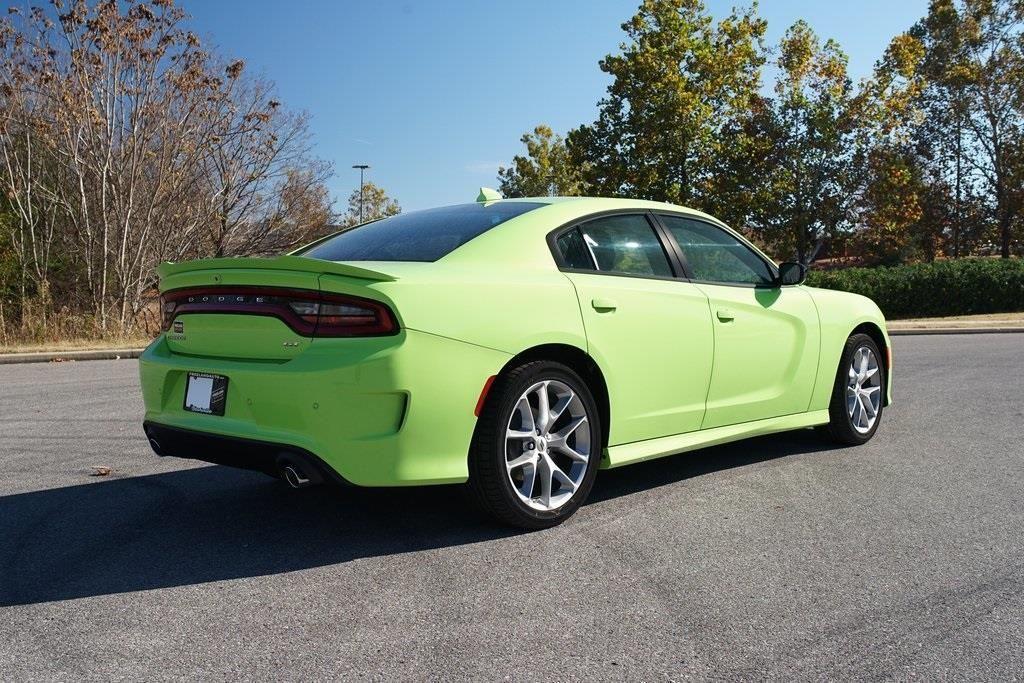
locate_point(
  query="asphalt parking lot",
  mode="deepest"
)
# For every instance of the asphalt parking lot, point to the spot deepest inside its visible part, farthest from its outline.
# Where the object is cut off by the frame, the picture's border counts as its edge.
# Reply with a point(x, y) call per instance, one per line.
point(778, 558)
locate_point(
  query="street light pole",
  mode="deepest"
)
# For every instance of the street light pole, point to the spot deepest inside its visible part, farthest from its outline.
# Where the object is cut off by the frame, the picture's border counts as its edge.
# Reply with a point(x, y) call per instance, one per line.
point(362, 168)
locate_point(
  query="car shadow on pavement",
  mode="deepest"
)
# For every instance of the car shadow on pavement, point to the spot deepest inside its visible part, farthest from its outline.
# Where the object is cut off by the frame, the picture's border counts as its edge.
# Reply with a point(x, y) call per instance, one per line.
point(663, 471)
point(214, 523)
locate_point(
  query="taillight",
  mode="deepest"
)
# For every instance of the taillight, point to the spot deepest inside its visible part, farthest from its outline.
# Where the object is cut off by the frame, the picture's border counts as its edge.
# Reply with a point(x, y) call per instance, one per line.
point(167, 307)
point(311, 314)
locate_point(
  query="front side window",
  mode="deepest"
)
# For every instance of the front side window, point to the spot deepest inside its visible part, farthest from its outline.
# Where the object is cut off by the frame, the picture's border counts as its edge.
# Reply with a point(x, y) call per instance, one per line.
point(418, 236)
point(622, 244)
point(716, 256)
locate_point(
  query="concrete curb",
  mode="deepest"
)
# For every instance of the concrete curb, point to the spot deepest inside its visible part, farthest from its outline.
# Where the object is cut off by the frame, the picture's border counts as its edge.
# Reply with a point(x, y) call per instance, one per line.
point(116, 354)
point(50, 356)
point(953, 330)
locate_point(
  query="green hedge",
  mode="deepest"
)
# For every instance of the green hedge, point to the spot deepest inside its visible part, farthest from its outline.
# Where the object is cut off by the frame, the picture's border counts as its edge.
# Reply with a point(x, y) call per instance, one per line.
point(922, 290)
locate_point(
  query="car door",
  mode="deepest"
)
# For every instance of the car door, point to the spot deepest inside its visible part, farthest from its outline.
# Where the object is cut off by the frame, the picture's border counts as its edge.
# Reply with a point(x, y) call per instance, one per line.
point(649, 331)
point(767, 337)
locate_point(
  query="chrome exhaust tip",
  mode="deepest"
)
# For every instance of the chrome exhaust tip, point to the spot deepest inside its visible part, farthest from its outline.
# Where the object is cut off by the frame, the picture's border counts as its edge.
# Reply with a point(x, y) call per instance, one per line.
point(294, 477)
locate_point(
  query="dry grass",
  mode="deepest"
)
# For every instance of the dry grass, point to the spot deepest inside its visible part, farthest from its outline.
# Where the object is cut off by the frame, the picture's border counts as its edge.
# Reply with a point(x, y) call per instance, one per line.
point(64, 330)
point(76, 345)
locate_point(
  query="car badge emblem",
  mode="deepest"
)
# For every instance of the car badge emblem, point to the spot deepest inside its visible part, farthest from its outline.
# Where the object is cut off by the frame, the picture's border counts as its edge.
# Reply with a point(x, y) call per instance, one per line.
point(179, 327)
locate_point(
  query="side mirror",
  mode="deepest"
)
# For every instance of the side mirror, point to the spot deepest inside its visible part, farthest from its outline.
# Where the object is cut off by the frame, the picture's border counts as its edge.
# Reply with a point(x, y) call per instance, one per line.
point(792, 273)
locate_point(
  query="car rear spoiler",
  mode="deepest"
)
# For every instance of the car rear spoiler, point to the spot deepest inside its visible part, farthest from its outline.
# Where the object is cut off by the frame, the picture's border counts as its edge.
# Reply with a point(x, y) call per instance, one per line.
point(294, 263)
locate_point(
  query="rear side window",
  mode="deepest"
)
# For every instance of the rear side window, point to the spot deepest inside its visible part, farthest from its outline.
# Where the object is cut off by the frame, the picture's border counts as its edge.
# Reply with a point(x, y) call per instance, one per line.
point(625, 244)
point(417, 236)
point(575, 253)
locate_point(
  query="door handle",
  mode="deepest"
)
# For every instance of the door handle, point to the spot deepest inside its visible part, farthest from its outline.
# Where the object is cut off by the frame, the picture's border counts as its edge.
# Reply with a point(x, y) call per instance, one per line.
point(726, 315)
point(603, 305)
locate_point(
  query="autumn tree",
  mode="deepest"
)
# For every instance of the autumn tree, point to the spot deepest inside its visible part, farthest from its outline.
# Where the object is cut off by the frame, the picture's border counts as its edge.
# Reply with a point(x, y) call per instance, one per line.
point(679, 80)
point(808, 143)
point(374, 202)
point(546, 169)
point(901, 204)
point(972, 127)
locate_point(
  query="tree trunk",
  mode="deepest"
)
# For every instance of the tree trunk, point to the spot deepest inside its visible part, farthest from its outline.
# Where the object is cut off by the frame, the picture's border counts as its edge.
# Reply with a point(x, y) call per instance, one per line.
point(957, 219)
point(1004, 235)
point(23, 298)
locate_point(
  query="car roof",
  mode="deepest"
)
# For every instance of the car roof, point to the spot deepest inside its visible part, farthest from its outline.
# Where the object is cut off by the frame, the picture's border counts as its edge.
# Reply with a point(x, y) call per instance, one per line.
point(521, 242)
point(597, 204)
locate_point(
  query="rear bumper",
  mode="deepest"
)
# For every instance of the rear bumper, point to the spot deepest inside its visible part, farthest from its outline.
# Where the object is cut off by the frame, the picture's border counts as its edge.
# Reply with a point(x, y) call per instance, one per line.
point(387, 411)
point(233, 451)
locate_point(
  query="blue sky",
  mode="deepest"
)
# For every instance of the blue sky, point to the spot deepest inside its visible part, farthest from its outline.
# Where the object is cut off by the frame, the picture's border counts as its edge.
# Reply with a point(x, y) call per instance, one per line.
point(434, 95)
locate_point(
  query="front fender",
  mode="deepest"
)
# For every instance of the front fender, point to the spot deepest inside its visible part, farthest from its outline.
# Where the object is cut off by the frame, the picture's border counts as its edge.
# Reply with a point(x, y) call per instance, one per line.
point(839, 314)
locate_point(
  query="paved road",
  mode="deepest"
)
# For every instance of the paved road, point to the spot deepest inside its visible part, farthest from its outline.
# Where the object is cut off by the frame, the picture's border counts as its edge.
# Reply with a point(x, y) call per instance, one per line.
point(777, 558)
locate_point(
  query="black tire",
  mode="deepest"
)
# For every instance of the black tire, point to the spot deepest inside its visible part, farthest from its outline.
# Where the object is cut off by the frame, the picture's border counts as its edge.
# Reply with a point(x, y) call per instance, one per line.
point(840, 426)
point(489, 482)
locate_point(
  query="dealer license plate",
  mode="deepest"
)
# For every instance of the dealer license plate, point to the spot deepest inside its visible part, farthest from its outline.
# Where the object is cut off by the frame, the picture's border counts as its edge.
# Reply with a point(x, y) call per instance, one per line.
point(206, 393)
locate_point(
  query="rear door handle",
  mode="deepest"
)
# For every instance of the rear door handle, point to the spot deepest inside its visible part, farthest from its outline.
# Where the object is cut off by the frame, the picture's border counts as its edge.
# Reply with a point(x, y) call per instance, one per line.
point(603, 305)
point(726, 315)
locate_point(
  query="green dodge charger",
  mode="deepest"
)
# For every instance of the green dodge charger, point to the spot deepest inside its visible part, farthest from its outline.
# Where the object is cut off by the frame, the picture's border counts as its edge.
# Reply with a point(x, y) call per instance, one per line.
point(517, 345)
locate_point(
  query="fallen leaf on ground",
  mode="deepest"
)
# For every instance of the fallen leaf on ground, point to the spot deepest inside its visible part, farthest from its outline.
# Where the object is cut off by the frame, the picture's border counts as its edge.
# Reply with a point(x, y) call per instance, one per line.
point(100, 471)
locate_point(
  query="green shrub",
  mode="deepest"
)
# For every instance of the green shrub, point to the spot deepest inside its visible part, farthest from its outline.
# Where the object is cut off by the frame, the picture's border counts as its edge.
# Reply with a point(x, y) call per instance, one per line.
point(922, 290)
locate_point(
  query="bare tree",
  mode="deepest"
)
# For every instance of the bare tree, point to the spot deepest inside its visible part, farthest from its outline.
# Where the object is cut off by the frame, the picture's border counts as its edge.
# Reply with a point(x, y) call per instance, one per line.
point(259, 172)
point(125, 142)
point(26, 171)
point(129, 97)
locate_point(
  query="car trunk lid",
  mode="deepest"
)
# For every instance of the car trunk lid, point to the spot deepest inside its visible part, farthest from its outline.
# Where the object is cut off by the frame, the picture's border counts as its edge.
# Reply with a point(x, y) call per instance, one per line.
point(251, 308)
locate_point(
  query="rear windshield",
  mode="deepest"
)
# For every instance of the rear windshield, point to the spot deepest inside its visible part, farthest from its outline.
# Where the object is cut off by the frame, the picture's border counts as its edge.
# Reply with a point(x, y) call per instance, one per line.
point(418, 236)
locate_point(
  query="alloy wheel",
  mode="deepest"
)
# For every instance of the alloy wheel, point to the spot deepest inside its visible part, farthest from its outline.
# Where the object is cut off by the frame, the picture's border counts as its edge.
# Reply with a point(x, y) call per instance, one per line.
point(547, 445)
point(863, 390)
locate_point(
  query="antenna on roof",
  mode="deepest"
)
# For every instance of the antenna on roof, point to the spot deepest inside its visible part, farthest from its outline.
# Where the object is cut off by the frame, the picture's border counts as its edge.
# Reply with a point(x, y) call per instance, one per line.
point(488, 195)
